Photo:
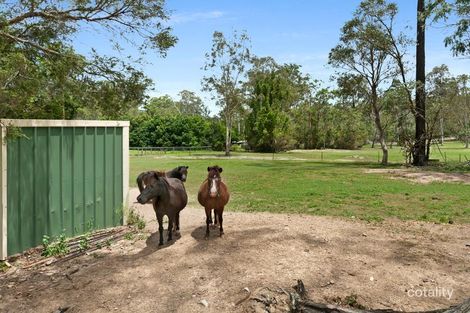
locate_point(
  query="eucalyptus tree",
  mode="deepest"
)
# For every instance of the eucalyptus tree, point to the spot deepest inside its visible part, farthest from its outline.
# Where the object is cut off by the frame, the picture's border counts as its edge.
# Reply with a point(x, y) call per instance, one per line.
point(463, 110)
point(419, 151)
point(351, 90)
point(226, 66)
point(273, 91)
point(457, 113)
point(191, 104)
point(459, 39)
point(364, 50)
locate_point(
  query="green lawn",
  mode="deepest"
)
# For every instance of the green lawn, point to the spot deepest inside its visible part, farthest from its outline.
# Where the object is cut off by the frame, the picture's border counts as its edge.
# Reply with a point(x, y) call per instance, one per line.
point(300, 182)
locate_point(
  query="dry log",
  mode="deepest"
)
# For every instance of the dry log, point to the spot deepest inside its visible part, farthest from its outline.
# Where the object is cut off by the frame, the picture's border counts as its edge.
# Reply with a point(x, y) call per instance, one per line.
point(300, 304)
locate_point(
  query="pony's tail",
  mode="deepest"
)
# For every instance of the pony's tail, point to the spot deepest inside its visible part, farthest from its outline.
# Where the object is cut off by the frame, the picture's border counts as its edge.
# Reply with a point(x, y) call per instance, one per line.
point(140, 180)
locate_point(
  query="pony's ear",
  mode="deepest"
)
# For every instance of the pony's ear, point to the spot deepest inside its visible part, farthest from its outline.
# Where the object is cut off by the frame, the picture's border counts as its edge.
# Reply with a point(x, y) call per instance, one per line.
point(187, 167)
point(209, 169)
point(155, 174)
point(220, 170)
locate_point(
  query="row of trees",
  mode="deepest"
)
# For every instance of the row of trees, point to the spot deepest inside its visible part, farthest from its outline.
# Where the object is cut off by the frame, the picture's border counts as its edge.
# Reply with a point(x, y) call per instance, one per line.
point(165, 122)
point(273, 106)
point(371, 71)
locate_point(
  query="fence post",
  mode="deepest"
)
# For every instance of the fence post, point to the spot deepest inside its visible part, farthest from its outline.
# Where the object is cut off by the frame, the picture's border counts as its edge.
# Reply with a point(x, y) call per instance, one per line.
point(125, 172)
point(3, 194)
point(322, 155)
point(378, 156)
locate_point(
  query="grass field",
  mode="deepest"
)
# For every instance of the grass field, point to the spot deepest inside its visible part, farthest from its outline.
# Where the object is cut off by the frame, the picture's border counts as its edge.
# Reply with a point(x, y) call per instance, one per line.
point(333, 184)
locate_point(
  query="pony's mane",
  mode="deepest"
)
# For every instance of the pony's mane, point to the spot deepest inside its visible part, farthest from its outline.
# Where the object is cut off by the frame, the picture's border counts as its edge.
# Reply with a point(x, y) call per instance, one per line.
point(160, 173)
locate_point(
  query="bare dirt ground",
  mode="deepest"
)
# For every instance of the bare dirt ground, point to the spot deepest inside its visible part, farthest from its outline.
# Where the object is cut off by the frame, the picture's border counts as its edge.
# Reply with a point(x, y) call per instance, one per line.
point(423, 177)
point(336, 258)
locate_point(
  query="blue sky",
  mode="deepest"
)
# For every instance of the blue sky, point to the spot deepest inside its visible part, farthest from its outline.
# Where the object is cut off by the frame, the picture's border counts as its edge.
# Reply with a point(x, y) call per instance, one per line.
point(295, 31)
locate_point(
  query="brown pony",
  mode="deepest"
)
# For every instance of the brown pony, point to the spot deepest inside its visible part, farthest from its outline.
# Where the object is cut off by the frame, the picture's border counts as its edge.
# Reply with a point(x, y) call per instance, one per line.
point(180, 172)
point(169, 198)
point(213, 195)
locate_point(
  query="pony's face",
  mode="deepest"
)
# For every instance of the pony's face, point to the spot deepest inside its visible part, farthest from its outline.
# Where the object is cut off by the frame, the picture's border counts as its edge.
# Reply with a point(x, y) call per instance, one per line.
point(183, 170)
point(214, 171)
point(152, 190)
point(213, 177)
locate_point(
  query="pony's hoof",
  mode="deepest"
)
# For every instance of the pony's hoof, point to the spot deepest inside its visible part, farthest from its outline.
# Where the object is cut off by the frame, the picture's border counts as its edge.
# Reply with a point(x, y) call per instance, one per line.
point(160, 244)
point(221, 234)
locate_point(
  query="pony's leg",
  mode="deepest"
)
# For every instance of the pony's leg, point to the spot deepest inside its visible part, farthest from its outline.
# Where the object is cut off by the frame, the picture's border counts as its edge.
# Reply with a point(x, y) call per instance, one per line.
point(171, 220)
point(210, 217)
point(160, 228)
point(208, 220)
point(221, 219)
point(215, 217)
point(177, 221)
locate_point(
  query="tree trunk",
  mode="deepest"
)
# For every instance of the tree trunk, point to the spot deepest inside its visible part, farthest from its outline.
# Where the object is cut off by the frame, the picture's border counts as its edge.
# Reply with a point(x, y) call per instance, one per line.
point(228, 135)
point(419, 151)
point(428, 149)
point(373, 139)
point(442, 130)
point(467, 128)
point(379, 128)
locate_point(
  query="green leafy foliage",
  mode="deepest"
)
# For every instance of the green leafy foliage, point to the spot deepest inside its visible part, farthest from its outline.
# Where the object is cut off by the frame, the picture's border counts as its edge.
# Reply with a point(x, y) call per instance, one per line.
point(42, 76)
point(135, 219)
point(175, 130)
point(54, 247)
point(274, 89)
point(3, 266)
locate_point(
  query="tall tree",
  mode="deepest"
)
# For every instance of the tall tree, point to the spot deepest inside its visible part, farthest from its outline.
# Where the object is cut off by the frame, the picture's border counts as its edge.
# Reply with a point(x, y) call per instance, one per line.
point(191, 104)
point(273, 90)
point(363, 50)
point(419, 151)
point(161, 106)
point(441, 93)
point(226, 66)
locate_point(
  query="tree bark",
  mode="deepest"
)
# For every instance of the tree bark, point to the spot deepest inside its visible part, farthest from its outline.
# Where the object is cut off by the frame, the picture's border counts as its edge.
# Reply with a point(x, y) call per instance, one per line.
point(373, 139)
point(467, 130)
point(442, 130)
point(419, 151)
point(379, 127)
point(228, 135)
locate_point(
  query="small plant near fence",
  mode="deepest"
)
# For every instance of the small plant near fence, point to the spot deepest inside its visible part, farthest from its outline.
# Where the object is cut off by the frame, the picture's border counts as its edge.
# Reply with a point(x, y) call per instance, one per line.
point(4, 266)
point(135, 219)
point(54, 247)
point(84, 242)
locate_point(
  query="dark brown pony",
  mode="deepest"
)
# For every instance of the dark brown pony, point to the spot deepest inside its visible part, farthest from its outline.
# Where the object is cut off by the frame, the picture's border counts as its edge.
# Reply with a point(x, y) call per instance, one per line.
point(180, 172)
point(169, 198)
point(213, 195)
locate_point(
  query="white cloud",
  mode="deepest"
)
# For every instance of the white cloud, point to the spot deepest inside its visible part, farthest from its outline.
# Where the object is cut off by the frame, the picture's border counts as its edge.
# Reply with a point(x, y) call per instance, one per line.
point(189, 17)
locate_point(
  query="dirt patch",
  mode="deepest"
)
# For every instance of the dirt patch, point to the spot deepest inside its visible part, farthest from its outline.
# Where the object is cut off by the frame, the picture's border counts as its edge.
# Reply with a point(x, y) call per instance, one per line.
point(336, 258)
point(422, 177)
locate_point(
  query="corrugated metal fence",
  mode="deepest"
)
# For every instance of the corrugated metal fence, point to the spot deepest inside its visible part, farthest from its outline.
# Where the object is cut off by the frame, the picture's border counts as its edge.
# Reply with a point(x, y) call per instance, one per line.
point(62, 177)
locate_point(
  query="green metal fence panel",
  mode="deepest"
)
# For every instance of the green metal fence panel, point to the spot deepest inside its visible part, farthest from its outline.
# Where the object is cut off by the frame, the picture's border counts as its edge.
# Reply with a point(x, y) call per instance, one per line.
point(63, 180)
